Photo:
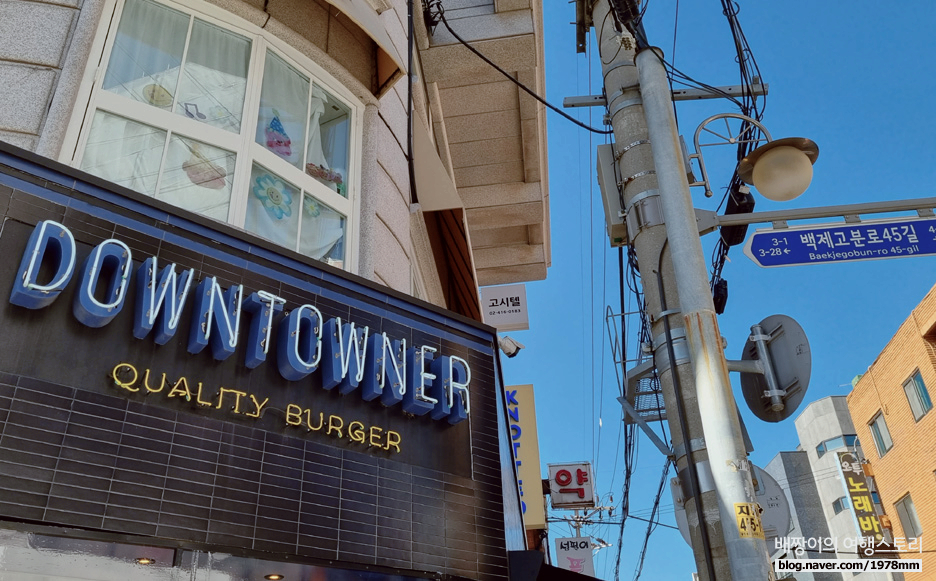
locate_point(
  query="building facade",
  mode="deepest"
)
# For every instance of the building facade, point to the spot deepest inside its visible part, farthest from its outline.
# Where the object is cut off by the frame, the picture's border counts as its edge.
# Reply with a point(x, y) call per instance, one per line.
point(826, 512)
point(891, 404)
point(243, 242)
point(217, 106)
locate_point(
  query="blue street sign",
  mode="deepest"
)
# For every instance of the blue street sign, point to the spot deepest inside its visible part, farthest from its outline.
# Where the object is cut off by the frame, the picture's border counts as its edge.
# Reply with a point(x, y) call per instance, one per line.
point(815, 244)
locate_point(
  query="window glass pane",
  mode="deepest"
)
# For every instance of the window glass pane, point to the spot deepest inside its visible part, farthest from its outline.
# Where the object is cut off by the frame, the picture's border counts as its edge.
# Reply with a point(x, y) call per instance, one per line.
point(925, 401)
point(850, 440)
point(913, 398)
point(284, 106)
point(197, 177)
point(323, 232)
point(215, 77)
point(144, 64)
point(881, 436)
point(273, 208)
point(820, 449)
point(124, 152)
point(835, 443)
point(906, 511)
point(329, 131)
point(839, 505)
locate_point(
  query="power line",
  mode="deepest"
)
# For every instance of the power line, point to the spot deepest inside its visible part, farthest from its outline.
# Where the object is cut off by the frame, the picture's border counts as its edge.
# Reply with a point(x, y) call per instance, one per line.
point(440, 14)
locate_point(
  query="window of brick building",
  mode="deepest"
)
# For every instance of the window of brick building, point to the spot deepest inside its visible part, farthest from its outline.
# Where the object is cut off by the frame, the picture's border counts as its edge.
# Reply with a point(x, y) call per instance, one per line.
point(907, 514)
point(917, 396)
point(881, 435)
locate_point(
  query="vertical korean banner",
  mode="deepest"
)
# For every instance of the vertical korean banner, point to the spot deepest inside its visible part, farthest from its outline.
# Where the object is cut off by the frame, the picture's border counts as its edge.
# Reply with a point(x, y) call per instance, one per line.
point(521, 414)
point(856, 486)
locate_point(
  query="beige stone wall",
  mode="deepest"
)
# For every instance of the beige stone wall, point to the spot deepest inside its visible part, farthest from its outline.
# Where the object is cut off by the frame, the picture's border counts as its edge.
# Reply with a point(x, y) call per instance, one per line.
point(327, 28)
point(34, 37)
point(44, 51)
point(910, 466)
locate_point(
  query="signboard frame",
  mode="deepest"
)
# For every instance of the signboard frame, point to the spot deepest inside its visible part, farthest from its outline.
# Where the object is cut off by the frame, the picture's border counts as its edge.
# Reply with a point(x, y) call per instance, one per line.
point(842, 242)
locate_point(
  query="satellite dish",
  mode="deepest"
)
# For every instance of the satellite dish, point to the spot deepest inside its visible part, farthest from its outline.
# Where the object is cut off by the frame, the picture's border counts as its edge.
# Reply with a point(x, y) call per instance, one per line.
point(775, 519)
point(780, 349)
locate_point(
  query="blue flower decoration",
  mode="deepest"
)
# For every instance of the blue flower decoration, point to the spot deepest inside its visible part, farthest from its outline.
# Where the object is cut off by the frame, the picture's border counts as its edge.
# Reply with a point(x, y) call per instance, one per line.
point(311, 208)
point(274, 196)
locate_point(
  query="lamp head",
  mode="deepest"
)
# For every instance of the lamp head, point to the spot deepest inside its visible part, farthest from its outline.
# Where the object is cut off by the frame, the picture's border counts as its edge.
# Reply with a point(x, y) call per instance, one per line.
point(781, 169)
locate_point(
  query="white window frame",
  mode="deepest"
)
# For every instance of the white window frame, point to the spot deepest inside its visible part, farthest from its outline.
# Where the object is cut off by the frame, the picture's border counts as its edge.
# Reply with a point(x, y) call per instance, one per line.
point(91, 97)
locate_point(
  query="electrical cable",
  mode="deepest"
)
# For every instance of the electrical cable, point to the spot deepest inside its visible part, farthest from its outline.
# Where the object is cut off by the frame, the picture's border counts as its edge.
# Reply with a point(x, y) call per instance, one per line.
point(692, 472)
point(652, 524)
point(441, 14)
point(410, 41)
point(750, 73)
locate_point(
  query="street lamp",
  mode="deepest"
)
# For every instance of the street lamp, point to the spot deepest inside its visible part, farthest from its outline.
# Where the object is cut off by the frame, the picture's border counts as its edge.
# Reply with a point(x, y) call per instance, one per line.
point(780, 169)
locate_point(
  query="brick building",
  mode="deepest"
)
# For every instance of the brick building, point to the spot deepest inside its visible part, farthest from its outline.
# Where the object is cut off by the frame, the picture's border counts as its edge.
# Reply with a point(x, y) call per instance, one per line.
point(890, 405)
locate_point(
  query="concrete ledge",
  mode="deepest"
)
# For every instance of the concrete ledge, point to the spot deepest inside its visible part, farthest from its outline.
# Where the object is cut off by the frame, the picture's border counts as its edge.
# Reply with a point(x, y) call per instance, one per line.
point(511, 274)
point(501, 194)
point(509, 256)
point(506, 216)
point(450, 61)
point(480, 26)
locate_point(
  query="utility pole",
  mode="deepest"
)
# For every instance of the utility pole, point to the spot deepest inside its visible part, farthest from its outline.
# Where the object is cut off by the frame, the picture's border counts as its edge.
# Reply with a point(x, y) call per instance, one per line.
point(708, 446)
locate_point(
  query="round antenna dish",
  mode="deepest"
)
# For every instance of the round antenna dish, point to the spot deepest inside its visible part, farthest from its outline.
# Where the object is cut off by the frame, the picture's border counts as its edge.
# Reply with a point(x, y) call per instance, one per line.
point(781, 170)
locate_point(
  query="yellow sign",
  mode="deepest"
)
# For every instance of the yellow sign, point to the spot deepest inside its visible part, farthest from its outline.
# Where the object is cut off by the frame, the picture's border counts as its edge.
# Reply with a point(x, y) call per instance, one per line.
point(749, 521)
point(521, 415)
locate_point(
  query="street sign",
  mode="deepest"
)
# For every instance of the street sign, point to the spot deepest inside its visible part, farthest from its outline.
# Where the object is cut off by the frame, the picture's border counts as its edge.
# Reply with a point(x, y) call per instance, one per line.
point(821, 243)
point(571, 485)
point(768, 495)
point(788, 358)
point(575, 554)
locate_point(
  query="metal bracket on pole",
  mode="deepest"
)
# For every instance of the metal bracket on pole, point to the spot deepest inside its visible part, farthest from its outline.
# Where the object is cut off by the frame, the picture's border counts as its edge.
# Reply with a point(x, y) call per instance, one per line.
point(643, 211)
point(632, 413)
point(678, 95)
point(696, 445)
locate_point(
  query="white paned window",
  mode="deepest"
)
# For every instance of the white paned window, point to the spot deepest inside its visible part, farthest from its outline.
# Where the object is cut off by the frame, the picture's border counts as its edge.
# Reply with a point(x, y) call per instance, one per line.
point(215, 116)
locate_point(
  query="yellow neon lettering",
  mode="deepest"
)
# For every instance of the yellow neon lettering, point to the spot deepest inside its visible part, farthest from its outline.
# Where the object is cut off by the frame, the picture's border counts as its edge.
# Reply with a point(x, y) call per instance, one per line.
point(162, 384)
point(309, 421)
point(177, 391)
point(257, 405)
point(375, 436)
point(293, 415)
point(393, 440)
point(356, 431)
point(335, 423)
point(198, 398)
point(128, 385)
point(236, 406)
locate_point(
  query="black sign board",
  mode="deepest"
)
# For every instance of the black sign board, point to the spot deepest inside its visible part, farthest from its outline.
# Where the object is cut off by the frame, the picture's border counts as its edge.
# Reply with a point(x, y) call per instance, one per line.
point(109, 432)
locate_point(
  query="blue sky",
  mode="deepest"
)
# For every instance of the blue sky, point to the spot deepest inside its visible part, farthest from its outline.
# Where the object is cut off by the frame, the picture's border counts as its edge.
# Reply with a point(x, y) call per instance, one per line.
point(857, 78)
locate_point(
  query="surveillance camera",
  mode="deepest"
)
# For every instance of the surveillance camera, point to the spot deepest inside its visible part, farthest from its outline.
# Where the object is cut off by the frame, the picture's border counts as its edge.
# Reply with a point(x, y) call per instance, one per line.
point(509, 346)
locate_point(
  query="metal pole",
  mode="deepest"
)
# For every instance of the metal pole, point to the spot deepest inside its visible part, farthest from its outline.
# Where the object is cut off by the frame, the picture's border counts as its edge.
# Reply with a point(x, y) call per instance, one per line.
point(731, 471)
point(641, 198)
